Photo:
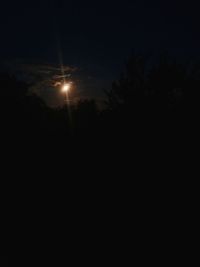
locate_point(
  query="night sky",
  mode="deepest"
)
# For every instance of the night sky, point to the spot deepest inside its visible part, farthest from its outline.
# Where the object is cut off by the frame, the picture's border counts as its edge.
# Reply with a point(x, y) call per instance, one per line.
point(94, 37)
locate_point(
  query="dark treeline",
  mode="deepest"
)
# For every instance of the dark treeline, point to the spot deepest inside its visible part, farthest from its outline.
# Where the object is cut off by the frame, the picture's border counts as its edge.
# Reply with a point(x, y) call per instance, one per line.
point(152, 109)
point(156, 96)
point(151, 95)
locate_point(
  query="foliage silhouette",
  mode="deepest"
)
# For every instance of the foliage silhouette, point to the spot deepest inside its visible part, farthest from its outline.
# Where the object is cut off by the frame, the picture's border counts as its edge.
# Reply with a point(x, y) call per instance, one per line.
point(162, 90)
point(152, 95)
point(149, 109)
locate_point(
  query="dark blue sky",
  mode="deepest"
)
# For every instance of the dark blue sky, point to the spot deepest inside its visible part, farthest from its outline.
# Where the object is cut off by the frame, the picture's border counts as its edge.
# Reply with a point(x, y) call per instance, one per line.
point(96, 36)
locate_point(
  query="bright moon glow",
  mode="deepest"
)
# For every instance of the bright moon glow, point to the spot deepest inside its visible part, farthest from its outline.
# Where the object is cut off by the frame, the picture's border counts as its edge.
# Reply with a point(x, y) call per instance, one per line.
point(66, 87)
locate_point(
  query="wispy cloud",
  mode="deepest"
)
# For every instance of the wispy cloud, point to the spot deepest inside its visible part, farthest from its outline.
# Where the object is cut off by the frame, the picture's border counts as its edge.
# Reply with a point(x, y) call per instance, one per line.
point(46, 80)
point(40, 70)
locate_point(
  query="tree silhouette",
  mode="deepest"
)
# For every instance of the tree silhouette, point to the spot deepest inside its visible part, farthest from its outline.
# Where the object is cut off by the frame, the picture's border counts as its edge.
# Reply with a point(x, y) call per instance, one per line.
point(24, 115)
point(156, 86)
point(130, 86)
point(149, 95)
